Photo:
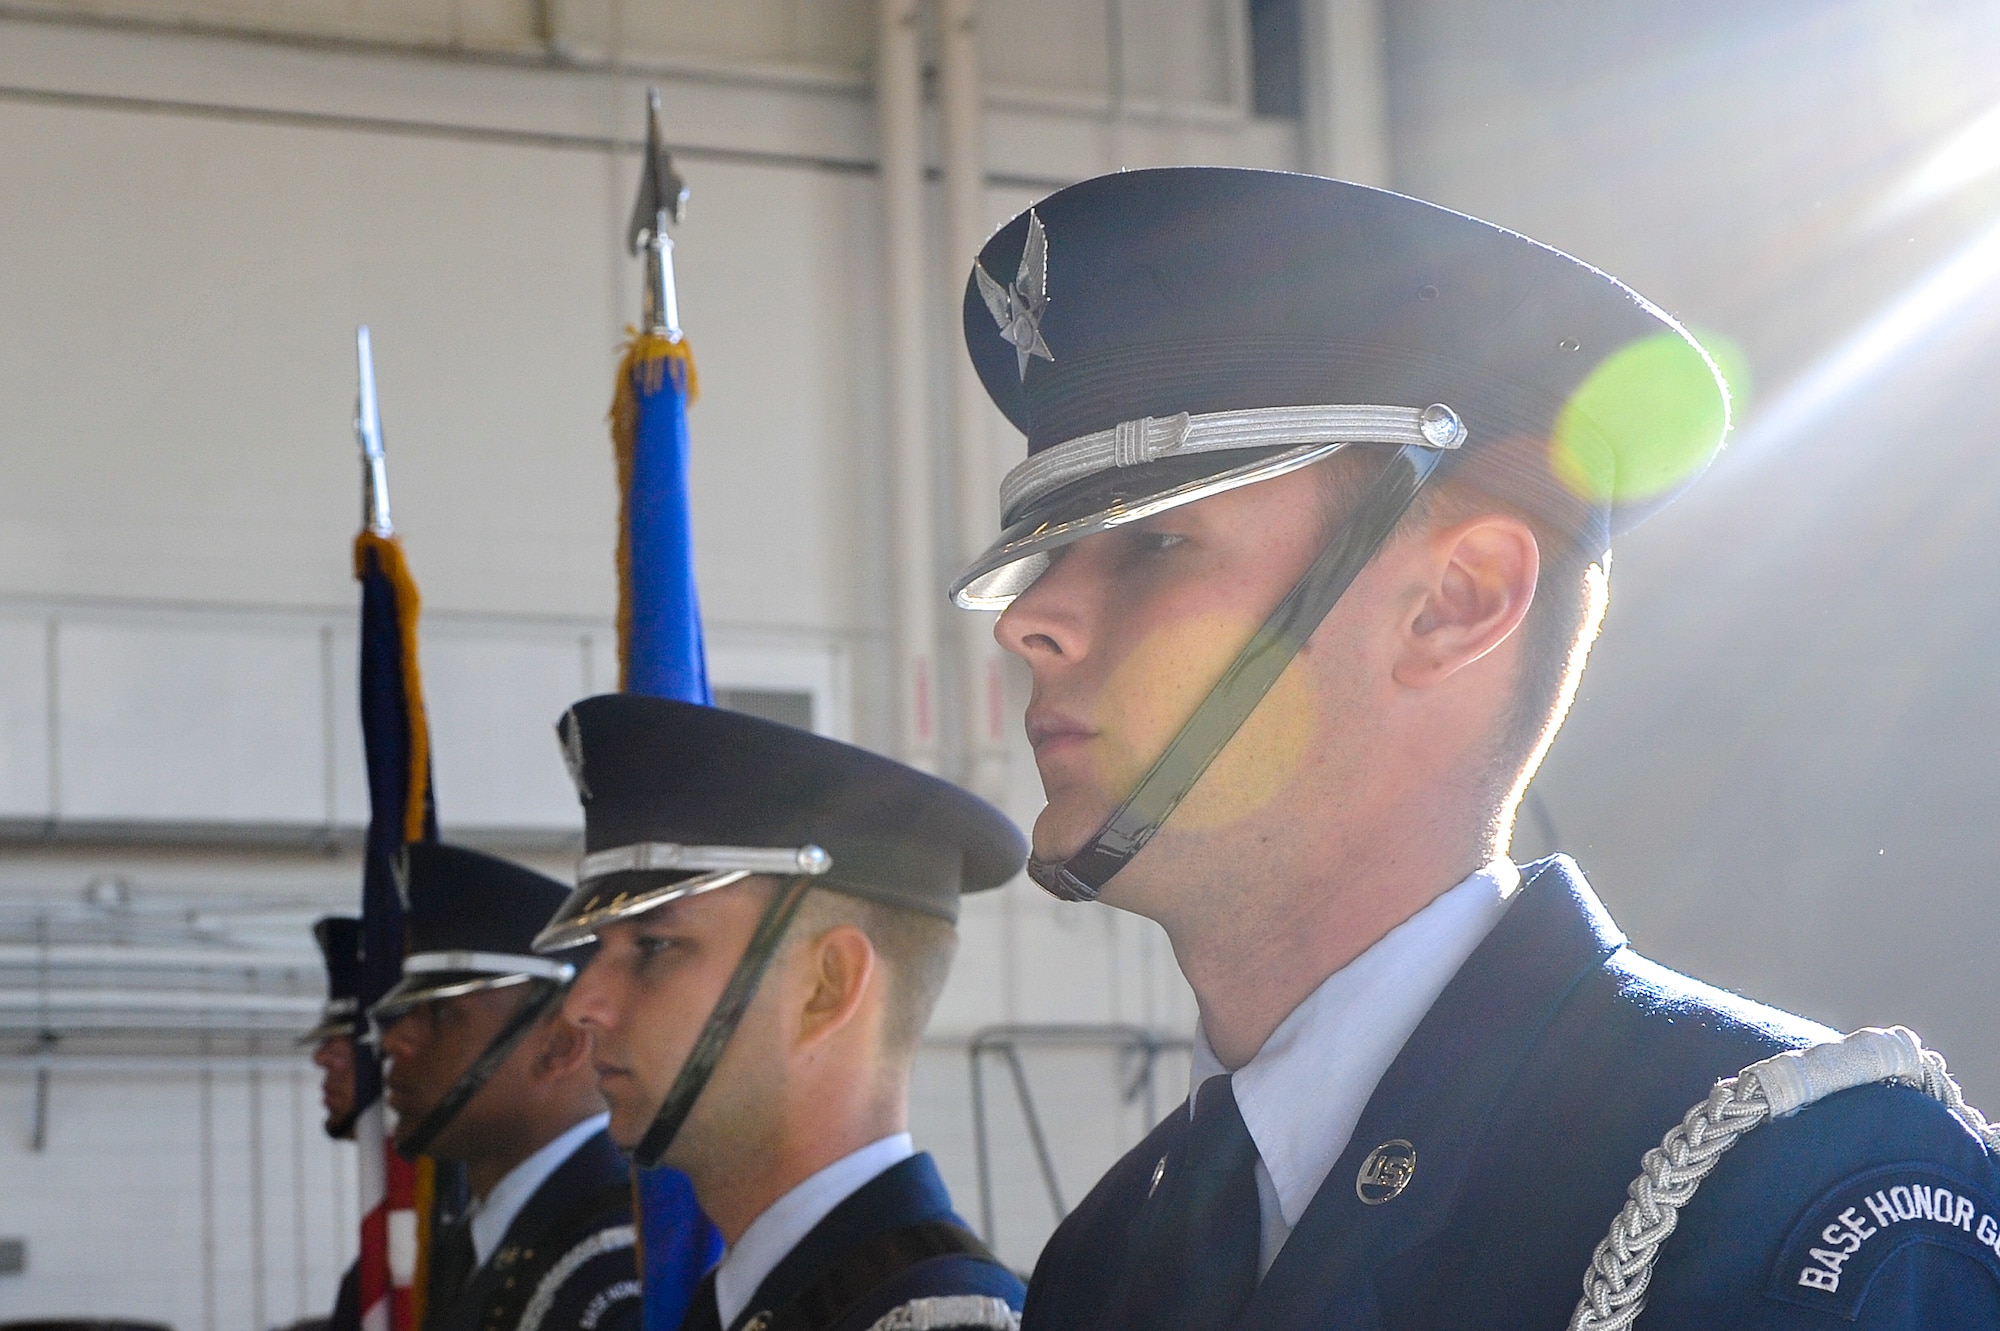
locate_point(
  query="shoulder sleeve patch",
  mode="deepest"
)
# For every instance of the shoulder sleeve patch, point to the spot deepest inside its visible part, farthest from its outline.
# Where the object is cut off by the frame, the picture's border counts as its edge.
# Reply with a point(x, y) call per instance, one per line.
point(1842, 1240)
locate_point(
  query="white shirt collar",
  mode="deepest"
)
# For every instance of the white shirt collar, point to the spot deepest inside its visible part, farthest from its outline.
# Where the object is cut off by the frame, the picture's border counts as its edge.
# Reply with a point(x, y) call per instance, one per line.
point(1304, 1091)
point(493, 1213)
point(776, 1232)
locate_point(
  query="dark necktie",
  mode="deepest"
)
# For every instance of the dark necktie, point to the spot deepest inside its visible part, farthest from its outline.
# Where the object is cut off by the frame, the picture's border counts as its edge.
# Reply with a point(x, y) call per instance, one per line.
point(703, 1313)
point(1196, 1265)
point(451, 1266)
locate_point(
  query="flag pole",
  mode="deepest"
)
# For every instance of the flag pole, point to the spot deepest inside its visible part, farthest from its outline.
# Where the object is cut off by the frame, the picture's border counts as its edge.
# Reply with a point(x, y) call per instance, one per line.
point(660, 648)
point(368, 430)
point(399, 1197)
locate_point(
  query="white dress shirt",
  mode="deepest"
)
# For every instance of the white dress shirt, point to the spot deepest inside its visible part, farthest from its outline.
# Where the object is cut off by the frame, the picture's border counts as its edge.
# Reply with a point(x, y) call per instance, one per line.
point(493, 1213)
point(1304, 1091)
point(776, 1232)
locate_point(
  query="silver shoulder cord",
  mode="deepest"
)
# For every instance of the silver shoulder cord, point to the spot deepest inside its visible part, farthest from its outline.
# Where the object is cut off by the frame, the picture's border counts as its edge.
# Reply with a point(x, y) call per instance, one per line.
point(950, 1312)
point(1614, 1286)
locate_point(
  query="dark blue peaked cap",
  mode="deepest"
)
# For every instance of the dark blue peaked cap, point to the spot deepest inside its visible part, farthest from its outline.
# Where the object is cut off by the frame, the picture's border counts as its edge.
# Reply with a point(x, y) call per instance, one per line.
point(1208, 289)
point(470, 919)
point(679, 798)
point(459, 900)
point(339, 939)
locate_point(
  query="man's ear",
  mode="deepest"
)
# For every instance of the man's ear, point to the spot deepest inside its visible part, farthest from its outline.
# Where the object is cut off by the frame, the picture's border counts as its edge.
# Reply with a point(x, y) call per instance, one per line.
point(1480, 580)
point(561, 1048)
point(839, 965)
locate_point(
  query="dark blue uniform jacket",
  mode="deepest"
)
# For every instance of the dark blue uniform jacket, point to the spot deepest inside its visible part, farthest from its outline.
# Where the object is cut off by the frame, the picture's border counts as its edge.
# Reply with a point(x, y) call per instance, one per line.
point(904, 1194)
point(566, 1263)
point(1550, 1064)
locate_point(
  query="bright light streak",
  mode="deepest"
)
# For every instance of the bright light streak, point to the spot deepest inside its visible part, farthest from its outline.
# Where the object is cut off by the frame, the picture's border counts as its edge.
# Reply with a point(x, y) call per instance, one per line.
point(1899, 328)
point(1966, 158)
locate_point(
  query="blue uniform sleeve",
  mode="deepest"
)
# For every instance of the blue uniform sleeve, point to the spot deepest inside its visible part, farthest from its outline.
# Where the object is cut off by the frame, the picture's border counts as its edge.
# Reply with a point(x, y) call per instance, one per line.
point(1873, 1208)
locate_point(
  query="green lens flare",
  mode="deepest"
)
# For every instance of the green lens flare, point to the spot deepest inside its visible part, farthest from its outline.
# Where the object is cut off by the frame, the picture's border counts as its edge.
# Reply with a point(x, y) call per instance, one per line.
point(1645, 422)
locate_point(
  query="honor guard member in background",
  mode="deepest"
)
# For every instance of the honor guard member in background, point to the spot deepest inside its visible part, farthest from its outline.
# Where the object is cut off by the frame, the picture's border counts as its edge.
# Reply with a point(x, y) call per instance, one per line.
point(1305, 559)
point(332, 1043)
point(773, 917)
point(482, 1069)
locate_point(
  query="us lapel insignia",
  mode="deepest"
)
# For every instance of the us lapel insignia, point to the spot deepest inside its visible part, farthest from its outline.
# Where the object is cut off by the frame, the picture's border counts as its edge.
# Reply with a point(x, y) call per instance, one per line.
point(1386, 1172)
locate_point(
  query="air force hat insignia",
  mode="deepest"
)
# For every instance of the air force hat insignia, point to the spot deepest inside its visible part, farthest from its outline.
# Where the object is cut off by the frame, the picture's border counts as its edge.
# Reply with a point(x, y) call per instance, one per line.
point(1018, 307)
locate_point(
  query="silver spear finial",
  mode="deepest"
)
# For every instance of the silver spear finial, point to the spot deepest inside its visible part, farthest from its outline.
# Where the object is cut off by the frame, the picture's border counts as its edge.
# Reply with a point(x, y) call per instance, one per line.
point(662, 202)
point(368, 430)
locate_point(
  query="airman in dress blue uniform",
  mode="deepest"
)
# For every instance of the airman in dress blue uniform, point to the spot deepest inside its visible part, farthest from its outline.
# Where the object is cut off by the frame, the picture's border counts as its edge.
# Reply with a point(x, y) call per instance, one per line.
point(1305, 558)
point(482, 1070)
point(772, 913)
point(332, 1043)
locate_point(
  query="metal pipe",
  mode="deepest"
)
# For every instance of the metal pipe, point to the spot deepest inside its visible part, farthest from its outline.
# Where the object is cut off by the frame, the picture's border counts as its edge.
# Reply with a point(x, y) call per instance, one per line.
point(1346, 102)
point(129, 957)
point(57, 999)
point(983, 679)
point(898, 113)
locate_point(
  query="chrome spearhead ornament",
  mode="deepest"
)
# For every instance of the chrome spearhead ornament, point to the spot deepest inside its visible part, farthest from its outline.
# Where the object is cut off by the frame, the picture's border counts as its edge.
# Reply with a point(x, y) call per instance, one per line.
point(368, 432)
point(1018, 308)
point(662, 202)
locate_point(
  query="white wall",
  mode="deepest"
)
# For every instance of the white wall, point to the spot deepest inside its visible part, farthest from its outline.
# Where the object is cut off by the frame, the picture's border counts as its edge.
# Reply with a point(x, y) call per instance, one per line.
point(203, 199)
point(202, 1198)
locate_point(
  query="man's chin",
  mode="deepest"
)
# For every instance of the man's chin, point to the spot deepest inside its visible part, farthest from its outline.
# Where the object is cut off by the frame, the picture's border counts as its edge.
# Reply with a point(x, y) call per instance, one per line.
point(628, 1128)
point(1062, 830)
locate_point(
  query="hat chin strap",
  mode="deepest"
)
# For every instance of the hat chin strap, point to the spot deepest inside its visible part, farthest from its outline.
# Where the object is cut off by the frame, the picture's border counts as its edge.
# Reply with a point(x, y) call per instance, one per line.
point(1082, 877)
point(722, 1022)
point(419, 1141)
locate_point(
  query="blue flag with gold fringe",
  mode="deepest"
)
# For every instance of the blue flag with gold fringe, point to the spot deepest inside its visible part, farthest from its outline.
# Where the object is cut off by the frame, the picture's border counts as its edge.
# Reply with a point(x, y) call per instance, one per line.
point(660, 649)
point(660, 653)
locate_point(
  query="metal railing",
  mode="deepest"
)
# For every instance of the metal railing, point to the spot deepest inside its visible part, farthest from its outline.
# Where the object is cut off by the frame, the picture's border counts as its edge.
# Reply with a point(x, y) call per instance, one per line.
point(1137, 1049)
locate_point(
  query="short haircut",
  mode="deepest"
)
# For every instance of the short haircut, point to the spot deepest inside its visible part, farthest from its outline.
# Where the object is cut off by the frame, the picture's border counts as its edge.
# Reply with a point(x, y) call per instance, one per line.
point(1571, 593)
point(916, 950)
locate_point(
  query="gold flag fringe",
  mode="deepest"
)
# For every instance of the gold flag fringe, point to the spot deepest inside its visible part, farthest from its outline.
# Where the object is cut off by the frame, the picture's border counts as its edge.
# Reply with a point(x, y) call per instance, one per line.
point(388, 553)
point(648, 359)
point(425, 1204)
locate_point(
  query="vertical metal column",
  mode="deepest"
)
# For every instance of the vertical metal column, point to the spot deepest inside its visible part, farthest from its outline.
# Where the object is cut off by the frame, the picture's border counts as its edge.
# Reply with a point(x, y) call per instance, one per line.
point(984, 705)
point(898, 115)
point(1346, 98)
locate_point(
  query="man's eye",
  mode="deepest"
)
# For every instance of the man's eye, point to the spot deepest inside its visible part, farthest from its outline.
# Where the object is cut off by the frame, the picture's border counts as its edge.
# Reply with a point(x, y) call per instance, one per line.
point(1158, 542)
point(648, 946)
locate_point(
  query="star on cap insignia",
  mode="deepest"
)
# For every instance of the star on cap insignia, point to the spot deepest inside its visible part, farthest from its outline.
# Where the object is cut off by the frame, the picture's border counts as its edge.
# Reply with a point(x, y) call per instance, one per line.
point(1018, 308)
point(571, 733)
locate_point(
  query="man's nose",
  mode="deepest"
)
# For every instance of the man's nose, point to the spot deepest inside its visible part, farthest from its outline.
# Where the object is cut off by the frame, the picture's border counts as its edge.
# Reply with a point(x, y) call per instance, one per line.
point(587, 1004)
point(1050, 621)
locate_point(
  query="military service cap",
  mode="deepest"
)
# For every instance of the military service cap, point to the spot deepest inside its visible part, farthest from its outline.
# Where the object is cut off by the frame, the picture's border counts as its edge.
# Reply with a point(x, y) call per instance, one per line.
point(1163, 335)
point(679, 798)
point(339, 939)
point(471, 919)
